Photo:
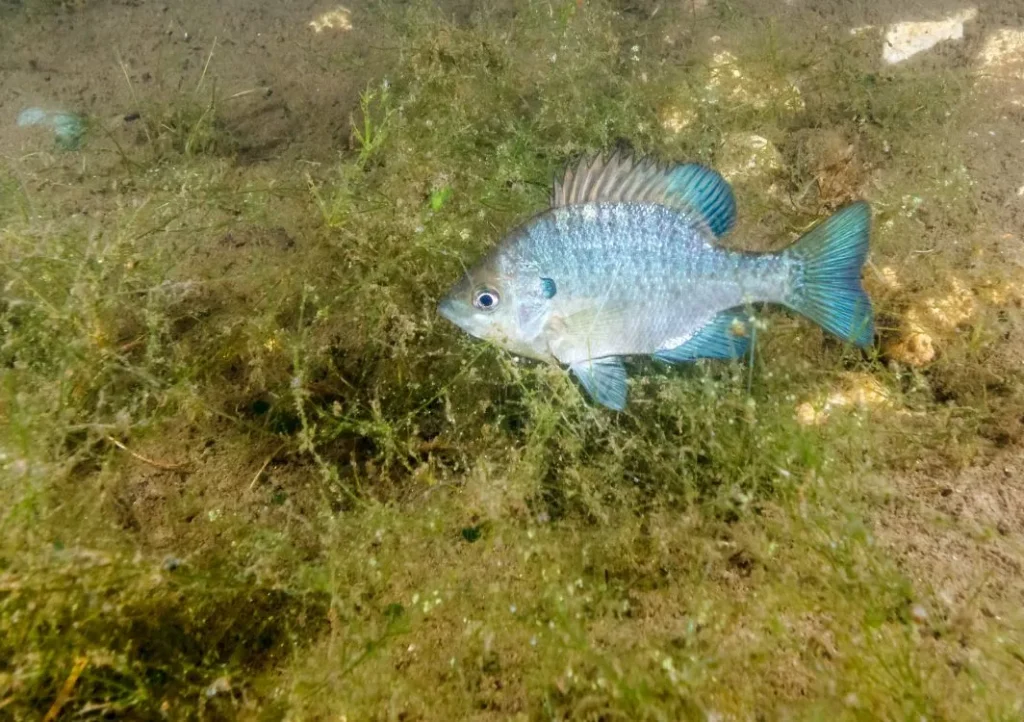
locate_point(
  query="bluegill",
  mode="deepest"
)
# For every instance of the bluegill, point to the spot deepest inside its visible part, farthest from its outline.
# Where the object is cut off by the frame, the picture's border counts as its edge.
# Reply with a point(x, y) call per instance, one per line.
point(627, 262)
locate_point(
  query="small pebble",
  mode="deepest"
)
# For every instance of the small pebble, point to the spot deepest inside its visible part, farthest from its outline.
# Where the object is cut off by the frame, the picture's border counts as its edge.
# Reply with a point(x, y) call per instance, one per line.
point(919, 614)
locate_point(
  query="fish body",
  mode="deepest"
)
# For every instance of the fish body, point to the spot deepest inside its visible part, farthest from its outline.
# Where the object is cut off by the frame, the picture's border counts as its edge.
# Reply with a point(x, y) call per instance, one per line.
point(627, 262)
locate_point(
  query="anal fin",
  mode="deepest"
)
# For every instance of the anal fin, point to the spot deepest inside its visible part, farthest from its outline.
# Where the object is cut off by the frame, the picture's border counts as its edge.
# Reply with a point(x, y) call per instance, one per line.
point(604, 380)
point(726, 336)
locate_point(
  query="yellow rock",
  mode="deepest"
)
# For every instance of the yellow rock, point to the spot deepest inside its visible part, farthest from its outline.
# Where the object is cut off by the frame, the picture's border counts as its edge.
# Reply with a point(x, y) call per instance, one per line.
point(914, 349)
point(1003, 294)
point(855, 391)
point(890, 278)
point(861, 390)
point(930, 320)
point(953, 309)
point(807, 415)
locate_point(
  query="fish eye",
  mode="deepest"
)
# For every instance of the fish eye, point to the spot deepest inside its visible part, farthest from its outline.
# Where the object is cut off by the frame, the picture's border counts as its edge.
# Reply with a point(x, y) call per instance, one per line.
point(486, 299)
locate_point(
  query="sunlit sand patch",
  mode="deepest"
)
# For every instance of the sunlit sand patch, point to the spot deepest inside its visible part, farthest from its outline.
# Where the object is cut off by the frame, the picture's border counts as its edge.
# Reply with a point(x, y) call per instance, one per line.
point(890, 279)
point(862, 29)
point(676, 119)
point(747, 156)
point(338, 19)
point(728, 83)
point(1003, 53)
point(1001, 65)
point(1003, 294)
point(907, 39)
point(856, 391)
point(955, 308)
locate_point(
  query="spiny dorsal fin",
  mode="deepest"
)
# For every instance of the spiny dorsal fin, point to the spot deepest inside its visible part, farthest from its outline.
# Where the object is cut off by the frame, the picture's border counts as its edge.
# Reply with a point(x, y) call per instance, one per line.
point(622, 178)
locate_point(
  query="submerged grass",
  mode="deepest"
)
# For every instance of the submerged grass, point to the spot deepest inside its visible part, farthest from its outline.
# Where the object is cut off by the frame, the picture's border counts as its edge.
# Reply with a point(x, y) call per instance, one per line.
point(248, 472)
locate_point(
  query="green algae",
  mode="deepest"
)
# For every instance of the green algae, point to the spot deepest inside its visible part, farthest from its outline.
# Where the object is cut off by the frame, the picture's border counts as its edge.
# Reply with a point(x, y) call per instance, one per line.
point(249, 473)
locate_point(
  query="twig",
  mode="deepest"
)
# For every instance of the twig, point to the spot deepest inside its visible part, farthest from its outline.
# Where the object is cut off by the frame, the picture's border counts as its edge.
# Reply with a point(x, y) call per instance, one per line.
point(205, 67)
point(265, 465)
point(65, 692)
point(140, 457)
point(250, 91)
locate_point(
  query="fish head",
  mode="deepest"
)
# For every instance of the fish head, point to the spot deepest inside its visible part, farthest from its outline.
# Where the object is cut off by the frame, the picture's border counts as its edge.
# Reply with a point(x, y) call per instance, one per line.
point(495, 302)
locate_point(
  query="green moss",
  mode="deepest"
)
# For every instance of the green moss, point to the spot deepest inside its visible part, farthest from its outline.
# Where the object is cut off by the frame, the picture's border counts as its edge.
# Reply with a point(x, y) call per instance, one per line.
point(249, 472)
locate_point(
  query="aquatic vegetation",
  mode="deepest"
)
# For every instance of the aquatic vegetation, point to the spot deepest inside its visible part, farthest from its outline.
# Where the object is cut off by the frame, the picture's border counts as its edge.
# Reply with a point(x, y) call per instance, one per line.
point(248, 471)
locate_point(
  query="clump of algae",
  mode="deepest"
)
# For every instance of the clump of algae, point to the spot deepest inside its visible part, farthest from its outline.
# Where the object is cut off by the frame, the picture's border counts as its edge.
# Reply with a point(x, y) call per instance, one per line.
point(271, 481)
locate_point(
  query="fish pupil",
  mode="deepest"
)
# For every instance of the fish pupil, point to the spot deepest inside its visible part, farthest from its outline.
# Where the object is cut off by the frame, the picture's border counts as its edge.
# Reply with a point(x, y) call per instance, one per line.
point(486, 300)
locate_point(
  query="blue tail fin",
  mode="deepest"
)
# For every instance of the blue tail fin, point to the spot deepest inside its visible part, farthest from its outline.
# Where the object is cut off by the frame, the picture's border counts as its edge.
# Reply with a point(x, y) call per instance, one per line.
point(830, 292)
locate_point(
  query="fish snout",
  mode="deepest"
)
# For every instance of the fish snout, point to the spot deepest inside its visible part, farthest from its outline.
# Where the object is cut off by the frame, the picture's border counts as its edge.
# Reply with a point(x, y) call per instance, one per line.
point(446, 308)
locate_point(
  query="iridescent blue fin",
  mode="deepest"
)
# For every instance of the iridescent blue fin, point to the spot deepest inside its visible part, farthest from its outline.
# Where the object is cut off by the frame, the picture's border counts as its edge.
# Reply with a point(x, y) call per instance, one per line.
point(727, 335)
point(829, 291)
point(604, 380)
point(688, 188)
point(708, 193)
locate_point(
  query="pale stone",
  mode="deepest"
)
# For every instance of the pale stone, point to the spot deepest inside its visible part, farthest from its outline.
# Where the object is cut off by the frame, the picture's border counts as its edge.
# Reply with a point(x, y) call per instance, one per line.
point(905, 40)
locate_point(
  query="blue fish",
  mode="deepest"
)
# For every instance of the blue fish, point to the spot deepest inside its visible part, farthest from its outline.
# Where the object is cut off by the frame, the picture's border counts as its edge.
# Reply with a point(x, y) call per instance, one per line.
point(627, 261)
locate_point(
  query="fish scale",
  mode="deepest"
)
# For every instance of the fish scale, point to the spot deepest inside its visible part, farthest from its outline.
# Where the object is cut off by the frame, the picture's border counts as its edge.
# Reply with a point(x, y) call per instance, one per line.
point(627, 262)
point(646, 257)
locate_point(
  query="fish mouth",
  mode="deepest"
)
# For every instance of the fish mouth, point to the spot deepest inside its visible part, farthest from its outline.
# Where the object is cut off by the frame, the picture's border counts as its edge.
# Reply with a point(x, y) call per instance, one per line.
point(446, 308)
point(454, 311)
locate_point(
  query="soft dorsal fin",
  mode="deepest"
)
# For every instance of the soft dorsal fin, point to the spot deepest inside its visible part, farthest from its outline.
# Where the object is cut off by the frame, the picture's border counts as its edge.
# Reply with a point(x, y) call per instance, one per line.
point(622, 178)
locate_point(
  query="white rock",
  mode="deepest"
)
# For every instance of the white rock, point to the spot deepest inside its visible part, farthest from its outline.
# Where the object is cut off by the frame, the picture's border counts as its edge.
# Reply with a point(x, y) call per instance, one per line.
point(905, 40)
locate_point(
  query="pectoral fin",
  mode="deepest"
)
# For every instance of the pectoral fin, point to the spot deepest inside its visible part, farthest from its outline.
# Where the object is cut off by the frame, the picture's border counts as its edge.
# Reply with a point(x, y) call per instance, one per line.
point(584, 331)
point(604, 380)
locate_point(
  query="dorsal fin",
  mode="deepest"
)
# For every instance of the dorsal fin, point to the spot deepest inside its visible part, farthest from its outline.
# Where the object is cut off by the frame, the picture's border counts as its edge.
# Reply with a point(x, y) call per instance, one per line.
point(622, 178)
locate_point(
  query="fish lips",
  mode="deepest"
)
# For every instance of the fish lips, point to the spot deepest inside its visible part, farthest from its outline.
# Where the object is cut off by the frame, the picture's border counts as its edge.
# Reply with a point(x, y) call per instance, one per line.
point(456, 311)
point(448, 309)
point(467, 318)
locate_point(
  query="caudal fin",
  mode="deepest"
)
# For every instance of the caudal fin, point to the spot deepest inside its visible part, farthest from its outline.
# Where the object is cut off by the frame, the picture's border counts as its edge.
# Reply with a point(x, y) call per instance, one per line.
point(830, 291)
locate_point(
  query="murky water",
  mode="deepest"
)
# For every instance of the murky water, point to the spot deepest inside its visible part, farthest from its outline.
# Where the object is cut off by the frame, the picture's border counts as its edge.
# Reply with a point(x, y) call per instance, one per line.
point(249, 473)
